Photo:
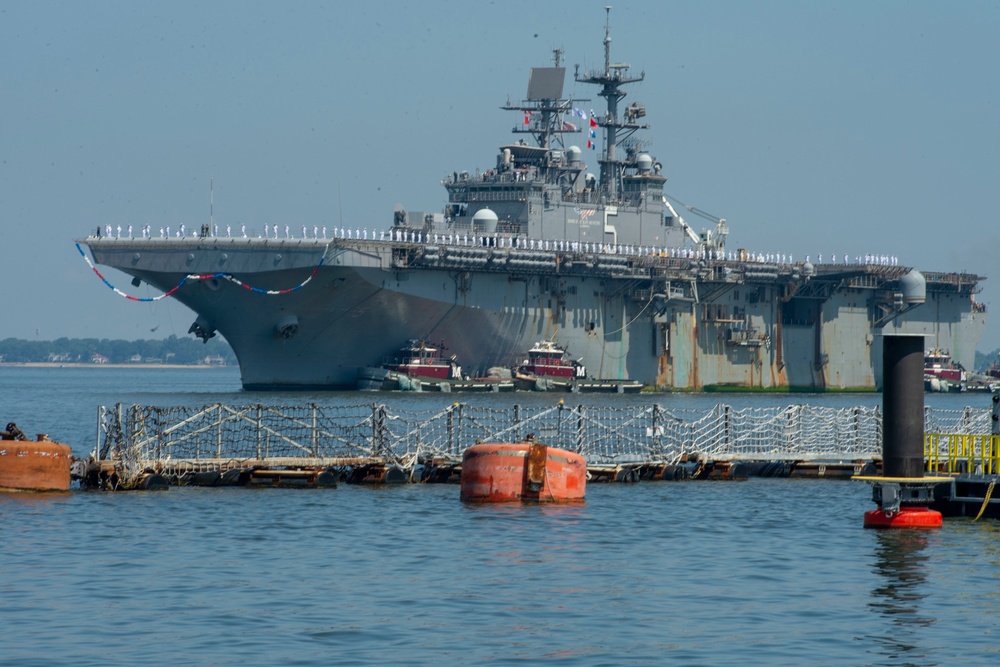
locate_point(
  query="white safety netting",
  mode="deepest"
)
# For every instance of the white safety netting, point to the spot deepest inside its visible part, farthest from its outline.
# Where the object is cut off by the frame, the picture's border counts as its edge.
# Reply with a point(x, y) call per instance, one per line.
point(148, 436)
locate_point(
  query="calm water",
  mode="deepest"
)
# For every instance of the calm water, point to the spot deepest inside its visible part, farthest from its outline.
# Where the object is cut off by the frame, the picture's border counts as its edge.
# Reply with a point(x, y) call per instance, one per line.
point(765, 572)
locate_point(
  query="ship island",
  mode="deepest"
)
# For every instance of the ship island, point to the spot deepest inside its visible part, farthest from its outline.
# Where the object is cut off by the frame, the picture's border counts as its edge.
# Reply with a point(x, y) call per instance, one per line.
point(540, 248)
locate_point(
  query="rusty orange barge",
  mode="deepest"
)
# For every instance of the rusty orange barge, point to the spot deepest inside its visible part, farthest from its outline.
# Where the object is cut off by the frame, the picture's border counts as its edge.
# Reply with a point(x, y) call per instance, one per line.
point(38, 465)
point(525, 471)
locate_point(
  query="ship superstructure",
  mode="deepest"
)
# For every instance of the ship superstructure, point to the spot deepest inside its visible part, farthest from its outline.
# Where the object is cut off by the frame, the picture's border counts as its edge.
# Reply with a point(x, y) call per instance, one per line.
point(541, 248)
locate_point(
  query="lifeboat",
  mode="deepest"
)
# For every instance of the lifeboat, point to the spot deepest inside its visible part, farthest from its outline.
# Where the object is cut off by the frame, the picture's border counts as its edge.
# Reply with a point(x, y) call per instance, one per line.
point(532, 471)
point(25, 465)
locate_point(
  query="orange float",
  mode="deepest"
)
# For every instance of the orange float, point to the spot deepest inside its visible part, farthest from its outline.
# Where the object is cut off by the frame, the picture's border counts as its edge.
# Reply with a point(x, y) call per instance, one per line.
point(26, 465)
point(906, 517)
point(502, 472)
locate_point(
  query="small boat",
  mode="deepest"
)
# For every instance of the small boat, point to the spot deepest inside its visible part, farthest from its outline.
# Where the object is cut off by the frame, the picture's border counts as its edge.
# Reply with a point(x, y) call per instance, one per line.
point(528, 470)
point(941, 373)
point(421, 366)
point(550, 368)
point(38, 465)
point(420, 359)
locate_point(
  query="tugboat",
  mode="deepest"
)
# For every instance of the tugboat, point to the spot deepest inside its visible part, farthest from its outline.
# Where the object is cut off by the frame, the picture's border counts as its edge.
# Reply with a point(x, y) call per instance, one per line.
point(421, 366)
point(994, 370)
point(941, 373)
point(39, 465)
point(549, 368)
point(420, 359)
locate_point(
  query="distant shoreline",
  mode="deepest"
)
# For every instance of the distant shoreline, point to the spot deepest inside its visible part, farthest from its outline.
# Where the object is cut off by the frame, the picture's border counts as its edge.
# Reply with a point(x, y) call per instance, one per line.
point(56, 364)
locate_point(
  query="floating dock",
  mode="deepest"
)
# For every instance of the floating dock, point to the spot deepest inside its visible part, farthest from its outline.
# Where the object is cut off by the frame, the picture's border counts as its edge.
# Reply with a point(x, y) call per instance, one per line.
point(310, 446)
point(970, 465)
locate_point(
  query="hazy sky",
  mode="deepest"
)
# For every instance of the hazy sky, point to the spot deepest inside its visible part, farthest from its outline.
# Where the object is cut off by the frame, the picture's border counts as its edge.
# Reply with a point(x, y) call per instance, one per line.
point(812, 127)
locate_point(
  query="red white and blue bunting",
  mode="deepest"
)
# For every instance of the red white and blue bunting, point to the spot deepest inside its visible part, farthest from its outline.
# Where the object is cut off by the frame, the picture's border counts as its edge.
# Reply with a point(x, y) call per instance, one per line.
point(202, 276)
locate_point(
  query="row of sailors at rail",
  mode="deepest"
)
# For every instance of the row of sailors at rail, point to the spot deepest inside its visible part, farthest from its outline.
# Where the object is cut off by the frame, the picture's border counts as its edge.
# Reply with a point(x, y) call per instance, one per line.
point(181, 232)
point(409, 236)
point(147, 232)
point(880, 260)
point(560, 245)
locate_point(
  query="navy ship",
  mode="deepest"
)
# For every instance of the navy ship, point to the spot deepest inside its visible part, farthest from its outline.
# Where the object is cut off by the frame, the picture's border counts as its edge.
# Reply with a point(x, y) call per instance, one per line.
point(540, 247)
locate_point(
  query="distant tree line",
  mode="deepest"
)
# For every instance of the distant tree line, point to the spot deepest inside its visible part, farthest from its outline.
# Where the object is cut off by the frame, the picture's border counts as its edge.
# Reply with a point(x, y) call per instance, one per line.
point(172, 350)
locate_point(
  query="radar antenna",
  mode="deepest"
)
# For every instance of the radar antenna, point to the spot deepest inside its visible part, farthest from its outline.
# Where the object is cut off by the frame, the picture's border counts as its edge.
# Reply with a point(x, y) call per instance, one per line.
point(544, 106)
point(614, 76)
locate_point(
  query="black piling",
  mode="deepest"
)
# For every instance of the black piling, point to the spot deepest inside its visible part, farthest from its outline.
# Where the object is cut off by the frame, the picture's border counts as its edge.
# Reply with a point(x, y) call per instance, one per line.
point(903, 406)
point(902, 493)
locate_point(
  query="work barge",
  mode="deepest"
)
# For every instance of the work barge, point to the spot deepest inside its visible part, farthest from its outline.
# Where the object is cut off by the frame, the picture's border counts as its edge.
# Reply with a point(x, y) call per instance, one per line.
point(314, 446)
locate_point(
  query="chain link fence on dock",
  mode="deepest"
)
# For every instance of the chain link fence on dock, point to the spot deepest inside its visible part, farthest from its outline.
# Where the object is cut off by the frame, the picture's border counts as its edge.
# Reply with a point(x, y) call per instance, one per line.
point(179, 438)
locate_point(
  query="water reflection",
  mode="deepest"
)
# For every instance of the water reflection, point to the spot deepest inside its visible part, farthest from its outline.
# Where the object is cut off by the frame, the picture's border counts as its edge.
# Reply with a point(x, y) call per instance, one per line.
point(902, 565)
point(900, 560)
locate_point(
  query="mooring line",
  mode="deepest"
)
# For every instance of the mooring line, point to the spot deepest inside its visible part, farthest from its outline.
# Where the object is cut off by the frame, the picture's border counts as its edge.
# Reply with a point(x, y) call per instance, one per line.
point(986, 500)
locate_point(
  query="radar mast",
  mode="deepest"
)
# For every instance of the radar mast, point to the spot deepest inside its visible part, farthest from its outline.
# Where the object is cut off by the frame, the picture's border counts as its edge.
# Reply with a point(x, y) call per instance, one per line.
point(544, 105)
point(614, 76)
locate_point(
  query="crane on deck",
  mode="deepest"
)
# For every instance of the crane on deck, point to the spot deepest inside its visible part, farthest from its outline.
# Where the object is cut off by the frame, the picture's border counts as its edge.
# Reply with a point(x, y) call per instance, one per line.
point(713, 239)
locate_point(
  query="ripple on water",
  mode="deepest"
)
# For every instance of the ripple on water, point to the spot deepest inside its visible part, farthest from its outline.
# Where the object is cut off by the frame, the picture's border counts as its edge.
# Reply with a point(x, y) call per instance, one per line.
point(756, 573)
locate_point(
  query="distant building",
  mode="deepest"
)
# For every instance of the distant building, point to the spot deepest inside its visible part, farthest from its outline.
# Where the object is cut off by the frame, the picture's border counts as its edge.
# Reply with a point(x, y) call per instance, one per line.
point(213, 360)
point(98, 358)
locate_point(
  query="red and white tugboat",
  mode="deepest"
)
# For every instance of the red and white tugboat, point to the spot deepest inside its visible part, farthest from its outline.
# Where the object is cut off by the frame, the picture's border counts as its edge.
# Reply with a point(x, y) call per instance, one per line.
point(421, 366)
point(941, 373)
point(420, 359)
point(548, 366)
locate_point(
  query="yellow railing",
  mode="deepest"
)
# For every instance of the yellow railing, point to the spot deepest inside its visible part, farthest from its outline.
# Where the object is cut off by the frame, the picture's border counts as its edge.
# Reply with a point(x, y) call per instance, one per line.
point(960, 453)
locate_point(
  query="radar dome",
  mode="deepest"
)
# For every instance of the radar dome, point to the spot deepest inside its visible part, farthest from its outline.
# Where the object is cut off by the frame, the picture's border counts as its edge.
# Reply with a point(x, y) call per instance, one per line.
point(644, 162)
point(573, 154)
point(485, 220)
point(914, 287)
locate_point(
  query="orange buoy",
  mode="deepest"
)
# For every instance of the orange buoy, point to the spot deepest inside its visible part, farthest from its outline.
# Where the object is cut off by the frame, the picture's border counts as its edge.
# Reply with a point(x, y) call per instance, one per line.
point(906, 517)
point(502, 472)
point(41, 465)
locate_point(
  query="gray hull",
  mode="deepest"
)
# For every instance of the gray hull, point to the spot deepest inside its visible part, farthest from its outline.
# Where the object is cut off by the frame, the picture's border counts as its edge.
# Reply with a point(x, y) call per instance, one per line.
point(666, 322)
